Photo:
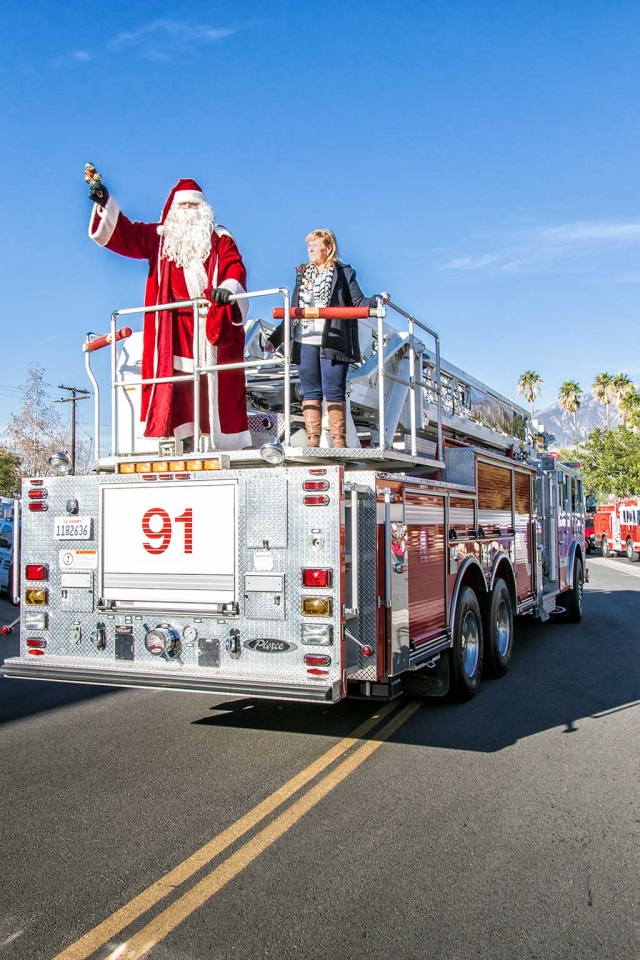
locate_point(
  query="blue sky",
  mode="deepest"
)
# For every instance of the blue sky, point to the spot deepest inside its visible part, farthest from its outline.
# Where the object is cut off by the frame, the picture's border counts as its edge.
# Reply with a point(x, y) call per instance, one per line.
point(479, 161)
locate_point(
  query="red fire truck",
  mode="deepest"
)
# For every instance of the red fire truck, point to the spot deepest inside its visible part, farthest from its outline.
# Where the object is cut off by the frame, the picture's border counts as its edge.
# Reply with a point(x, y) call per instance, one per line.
point(395, 565)
point(617, 528)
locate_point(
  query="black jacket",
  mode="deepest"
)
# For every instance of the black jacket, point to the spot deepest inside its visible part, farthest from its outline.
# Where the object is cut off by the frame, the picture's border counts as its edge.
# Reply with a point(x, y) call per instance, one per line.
point(339, 337)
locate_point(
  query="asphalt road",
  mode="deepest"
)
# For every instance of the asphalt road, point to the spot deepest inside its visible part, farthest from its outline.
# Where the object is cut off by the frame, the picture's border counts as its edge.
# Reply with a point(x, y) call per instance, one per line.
point(505, 828)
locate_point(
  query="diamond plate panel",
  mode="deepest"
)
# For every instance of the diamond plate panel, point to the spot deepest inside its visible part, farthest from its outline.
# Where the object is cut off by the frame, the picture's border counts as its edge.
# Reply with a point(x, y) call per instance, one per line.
point(364, 627)
point(266, 511)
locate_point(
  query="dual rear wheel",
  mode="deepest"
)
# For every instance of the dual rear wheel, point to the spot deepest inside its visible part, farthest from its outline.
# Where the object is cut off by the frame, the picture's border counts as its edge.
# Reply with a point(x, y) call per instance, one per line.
point(480, 642)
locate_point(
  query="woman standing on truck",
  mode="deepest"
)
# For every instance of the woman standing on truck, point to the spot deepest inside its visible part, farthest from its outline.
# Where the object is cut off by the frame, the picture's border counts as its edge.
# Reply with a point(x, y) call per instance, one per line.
point(323, 349)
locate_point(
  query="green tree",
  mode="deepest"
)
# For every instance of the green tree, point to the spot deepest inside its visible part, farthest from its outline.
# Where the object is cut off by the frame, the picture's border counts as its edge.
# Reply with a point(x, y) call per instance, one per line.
point(629, 406)
point(603, 390)
point(9, 473)
point(569, 399)
point(611, 461)
point(622, 385)
point(530, 385)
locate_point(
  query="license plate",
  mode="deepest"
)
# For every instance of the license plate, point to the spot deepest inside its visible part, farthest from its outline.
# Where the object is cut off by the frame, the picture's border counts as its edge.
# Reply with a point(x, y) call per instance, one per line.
point(72, 528)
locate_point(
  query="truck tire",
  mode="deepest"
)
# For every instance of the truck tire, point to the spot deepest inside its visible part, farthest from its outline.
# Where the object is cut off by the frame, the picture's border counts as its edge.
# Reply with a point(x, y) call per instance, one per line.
point(499, 631)
point(605, 548)
point(631, 552)
point(467, 650)
point(572, 599)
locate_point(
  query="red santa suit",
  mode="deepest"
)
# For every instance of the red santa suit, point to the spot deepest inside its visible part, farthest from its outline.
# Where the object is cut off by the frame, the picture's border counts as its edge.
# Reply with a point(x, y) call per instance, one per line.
point(167, 408)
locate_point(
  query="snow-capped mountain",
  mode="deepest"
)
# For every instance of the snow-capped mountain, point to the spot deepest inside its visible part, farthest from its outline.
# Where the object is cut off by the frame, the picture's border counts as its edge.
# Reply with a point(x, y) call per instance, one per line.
point(591, 414)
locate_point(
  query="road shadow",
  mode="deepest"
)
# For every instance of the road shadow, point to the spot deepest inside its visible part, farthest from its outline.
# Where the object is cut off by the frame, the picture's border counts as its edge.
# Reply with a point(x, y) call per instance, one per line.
point(560, 675)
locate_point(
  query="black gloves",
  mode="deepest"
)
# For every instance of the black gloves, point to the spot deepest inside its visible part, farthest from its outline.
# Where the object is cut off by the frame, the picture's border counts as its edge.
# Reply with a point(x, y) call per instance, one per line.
point(219, 296)
point(99, 194)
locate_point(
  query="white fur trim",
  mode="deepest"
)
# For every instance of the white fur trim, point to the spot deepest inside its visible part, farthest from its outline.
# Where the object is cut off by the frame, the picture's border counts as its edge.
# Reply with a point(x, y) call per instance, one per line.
point(223, 232)
point(103, 222)
point(233, 286)
point(196, 279)
point(184, 364)
point(188, 196)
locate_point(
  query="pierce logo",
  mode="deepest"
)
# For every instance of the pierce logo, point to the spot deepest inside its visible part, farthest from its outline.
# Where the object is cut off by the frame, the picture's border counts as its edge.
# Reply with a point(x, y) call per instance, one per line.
point(266, 645)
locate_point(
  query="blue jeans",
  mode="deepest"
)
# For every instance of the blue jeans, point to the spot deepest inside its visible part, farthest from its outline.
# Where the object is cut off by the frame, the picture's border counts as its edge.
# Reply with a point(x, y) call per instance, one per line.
point(320, 377)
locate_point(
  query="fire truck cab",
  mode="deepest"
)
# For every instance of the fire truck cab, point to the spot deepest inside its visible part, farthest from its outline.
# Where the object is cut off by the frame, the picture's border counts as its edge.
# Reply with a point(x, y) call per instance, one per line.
point(394, 566)
point(617, 528)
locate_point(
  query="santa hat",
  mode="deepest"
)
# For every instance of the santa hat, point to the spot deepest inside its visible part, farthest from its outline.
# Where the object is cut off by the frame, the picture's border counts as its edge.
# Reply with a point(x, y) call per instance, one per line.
point(185, 191)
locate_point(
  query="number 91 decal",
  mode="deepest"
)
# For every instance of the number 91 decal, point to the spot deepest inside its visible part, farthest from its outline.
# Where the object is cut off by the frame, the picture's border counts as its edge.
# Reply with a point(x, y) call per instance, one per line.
point(164, 534)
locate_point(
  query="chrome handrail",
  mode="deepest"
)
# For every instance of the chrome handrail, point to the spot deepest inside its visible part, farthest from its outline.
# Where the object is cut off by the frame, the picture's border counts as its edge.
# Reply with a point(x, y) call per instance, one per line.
point(284, 361)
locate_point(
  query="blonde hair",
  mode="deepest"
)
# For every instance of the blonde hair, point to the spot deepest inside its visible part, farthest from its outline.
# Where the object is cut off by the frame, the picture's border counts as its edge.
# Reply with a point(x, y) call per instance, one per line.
point(329, 239)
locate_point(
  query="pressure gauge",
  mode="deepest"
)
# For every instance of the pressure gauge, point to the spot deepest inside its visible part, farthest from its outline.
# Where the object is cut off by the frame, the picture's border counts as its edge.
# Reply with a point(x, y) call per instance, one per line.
point(189, 633)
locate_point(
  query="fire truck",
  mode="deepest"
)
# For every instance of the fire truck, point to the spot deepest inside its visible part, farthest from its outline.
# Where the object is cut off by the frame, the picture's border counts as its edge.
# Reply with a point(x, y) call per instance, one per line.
point(617, 528)
point(396, 565)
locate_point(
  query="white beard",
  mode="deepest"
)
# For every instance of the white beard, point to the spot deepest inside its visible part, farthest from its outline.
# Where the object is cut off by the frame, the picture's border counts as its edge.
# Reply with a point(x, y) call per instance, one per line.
point(187, 234)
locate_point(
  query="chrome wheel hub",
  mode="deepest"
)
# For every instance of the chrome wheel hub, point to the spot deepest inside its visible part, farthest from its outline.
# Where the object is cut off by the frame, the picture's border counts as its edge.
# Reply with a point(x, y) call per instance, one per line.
point(470, 645)
point(503, 632)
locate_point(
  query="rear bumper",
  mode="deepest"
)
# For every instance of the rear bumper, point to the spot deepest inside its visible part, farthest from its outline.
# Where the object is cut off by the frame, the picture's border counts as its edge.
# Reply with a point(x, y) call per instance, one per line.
point(27, 670)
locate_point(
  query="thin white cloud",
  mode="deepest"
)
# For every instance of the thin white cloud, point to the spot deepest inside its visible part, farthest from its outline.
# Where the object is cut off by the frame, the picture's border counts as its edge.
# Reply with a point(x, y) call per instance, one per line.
point(71, 59)
point(566, 247)
point(163, 39)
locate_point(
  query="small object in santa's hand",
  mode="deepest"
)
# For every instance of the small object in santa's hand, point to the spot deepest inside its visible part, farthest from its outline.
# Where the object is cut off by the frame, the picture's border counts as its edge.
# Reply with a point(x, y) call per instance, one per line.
point(219, 296)
point(91, 175)
point(98, 193)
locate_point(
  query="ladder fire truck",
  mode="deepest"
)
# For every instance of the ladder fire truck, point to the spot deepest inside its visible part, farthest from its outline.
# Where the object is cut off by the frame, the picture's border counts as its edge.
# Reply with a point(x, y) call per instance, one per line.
point(394, 566)
point(617, 528)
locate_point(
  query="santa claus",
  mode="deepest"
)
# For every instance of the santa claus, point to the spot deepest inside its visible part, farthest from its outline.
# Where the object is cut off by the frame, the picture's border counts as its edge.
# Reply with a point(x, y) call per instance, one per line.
point(190, 256)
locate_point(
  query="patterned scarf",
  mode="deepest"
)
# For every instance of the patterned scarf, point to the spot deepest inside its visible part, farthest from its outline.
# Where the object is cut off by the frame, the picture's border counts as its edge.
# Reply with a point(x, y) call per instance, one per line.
point(308, 278)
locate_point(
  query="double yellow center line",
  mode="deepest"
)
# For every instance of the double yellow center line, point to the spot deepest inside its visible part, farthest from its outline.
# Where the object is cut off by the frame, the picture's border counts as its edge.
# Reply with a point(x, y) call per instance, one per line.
point(157, 929)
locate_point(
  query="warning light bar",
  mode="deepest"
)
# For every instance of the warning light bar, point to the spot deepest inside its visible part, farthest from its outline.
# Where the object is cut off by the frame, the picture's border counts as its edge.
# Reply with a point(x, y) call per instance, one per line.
point(169, 466)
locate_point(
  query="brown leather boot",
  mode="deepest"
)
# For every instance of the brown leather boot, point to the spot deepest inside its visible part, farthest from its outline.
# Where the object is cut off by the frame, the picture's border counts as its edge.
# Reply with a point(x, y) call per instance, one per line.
point(312, 413)
point(338, 423)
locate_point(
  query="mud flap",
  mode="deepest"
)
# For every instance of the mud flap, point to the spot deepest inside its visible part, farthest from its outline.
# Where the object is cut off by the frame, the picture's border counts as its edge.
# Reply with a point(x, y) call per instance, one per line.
point(429, 681)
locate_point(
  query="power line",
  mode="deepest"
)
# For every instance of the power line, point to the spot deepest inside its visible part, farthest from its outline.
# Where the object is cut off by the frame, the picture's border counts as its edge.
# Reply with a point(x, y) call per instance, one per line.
point(77, 393)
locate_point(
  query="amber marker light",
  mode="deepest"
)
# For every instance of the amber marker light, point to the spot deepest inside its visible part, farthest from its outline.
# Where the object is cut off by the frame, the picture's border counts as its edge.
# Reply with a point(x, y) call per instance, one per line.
point(144, 467)
point(212, 464)
point(127, 468)
point(177, 465)
point(160, 466)
point(194, 464)
point(35, 598)
point(316, 606)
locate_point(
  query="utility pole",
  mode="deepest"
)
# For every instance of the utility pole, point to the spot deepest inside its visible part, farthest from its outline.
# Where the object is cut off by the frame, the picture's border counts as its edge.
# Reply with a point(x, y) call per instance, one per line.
point(76, 394)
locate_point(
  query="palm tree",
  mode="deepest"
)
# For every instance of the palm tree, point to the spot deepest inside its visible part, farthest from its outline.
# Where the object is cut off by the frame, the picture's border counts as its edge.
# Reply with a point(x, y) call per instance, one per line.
point(622, 384)
point(603, 390)
point(629, 406)
point(569, 399)
point(530, 385)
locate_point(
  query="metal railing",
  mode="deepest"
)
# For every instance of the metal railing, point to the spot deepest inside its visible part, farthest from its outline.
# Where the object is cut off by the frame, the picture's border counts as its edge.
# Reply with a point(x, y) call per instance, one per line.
point(94, 342)
point(413, 381)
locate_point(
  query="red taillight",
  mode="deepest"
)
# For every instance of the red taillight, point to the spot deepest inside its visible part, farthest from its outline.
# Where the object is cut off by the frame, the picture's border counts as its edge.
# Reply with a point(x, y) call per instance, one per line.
point(36, 653)
point(317, 660)
point(36, 643)
point(41, 494)
point(37, 571)
point(315, 501)
point(315, 485)
point(316, 577)
point(367, 651)
point(38, 506)
point(316, 672)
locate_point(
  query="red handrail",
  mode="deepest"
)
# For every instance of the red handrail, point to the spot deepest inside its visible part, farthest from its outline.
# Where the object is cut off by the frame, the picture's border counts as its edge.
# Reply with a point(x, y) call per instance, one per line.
point(101, 342)
point(323, 313)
